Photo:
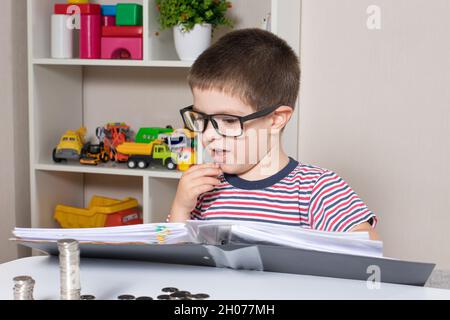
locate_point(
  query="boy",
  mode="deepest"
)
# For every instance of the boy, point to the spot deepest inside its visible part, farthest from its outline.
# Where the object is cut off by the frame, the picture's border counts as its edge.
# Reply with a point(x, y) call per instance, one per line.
point(245, 87)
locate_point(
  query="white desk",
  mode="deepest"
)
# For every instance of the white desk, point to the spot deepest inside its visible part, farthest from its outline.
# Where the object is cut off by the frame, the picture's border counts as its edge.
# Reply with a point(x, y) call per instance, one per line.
point(107, 279)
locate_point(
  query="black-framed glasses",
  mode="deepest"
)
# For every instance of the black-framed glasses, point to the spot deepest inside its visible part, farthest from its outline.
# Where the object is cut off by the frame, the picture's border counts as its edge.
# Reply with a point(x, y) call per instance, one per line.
point(225, 124)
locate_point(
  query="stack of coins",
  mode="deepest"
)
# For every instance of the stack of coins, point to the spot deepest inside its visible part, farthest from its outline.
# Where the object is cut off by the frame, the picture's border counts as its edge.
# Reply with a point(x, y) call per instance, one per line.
point(69, 268)
point(23, 288)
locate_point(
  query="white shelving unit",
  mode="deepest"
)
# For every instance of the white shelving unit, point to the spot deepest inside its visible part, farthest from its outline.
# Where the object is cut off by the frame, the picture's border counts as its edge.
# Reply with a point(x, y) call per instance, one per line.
point(120, 63)
point(66, 94)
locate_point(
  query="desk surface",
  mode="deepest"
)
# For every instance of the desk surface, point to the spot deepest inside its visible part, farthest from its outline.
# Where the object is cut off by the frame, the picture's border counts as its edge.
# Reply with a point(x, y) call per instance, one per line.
point(107, 279)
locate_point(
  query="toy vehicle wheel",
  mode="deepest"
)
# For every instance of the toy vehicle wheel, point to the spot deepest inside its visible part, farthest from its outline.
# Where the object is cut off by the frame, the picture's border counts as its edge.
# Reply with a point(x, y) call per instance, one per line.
point(57, 160)
point(142, 164)
point(170, 165)
point(104, 157)
point(86, 148)
point(132, 164)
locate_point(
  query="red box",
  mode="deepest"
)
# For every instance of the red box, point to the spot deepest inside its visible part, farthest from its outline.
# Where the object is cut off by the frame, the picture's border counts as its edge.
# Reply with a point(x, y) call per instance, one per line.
point(122, 31)
point(108, 21)
point(124, 218)
point(62, 8)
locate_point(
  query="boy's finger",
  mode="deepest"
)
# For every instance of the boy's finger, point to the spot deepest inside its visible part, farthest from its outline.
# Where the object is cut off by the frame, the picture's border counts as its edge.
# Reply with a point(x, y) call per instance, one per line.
point(198, 190)
point(203, 165)
point(206, 180)
point(202, 172)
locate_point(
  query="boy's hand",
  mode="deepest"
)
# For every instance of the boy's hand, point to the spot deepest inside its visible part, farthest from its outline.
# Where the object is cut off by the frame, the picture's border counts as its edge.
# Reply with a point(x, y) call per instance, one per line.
point(365, 226)
point(195, 181)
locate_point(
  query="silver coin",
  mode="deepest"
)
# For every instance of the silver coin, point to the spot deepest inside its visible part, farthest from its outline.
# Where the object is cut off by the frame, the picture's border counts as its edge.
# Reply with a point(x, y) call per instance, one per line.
point(169, 289)
point(200, 296)
point(87, 297)
point(185, 292)
point(126, 297)
point(164, 297)
point(22, 279)
point(180, 294)
point(144, 298)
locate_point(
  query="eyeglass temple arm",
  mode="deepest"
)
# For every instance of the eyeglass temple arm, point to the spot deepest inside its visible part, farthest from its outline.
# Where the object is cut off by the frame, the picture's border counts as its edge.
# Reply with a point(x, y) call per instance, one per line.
point(258, 114)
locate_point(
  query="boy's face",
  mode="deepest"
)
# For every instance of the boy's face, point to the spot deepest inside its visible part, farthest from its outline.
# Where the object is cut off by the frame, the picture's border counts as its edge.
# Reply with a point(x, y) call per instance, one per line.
point(235, 155)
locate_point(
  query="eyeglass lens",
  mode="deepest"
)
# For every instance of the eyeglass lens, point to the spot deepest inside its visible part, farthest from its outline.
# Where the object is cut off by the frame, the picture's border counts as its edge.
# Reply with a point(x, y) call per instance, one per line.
point(224, 124)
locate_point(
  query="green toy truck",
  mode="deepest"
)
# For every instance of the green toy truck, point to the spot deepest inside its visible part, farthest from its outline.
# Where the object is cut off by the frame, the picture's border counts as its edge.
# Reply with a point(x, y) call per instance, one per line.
point(147, 135)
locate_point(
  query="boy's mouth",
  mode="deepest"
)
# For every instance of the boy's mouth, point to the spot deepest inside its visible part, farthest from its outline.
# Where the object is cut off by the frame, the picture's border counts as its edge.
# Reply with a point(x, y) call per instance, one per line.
point(219, 155)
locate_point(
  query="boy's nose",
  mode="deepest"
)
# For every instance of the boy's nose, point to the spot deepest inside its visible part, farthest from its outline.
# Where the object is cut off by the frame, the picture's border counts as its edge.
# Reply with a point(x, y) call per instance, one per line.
point(210, 134)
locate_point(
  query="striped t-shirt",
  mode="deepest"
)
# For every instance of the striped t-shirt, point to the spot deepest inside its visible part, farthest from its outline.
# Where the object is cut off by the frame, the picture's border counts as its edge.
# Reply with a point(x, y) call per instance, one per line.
point(298, 195)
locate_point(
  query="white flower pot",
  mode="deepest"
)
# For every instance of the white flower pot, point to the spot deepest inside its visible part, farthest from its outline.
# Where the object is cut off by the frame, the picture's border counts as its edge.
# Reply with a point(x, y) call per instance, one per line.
point(190, 44)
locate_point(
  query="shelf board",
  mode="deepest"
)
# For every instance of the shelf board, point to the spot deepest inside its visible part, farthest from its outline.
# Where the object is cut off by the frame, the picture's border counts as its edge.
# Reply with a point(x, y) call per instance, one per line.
point(109, 168)
point(107, 62)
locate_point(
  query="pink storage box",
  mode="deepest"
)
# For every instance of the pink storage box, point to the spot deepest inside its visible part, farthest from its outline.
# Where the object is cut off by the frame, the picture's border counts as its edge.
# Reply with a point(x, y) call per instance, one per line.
point(122, 48)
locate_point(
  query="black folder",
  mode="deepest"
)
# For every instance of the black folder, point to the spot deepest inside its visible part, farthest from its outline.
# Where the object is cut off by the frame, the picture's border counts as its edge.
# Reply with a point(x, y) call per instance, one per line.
point(257, 257)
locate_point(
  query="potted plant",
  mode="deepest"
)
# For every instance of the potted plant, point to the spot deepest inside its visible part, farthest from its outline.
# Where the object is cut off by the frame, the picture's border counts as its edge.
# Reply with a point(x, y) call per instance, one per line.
point(193, 22)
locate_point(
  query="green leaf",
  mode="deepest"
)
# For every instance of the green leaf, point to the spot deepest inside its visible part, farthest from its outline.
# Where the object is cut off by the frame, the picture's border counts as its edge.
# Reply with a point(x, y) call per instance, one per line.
point(191, 12)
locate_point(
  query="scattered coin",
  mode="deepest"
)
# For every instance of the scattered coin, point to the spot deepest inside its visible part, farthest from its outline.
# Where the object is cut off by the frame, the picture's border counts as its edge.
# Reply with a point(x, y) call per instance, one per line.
point(169, 289)
point(164, 297)
point(184, 292)
point(87, 297)
point(144, 298)
point(126, 297)
point(180, 294)
point(200, 296)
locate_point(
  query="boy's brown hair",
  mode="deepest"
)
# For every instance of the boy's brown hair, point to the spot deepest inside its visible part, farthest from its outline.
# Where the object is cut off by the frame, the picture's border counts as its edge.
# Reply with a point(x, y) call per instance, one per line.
point(252, 64)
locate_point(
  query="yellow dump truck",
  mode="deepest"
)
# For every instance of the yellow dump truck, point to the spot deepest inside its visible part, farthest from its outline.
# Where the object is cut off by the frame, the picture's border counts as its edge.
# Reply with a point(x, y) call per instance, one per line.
point(101, 212)
point(141, 155)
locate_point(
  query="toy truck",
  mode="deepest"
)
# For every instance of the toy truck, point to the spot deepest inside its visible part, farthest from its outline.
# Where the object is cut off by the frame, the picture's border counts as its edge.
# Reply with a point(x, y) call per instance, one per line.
point(70, 146)
point(186, 158)
point(141, 155)
point(113, 135)
point(178, 139)
point(93, 154)
point(183, 143)
point(101, 212)
point(147, 135)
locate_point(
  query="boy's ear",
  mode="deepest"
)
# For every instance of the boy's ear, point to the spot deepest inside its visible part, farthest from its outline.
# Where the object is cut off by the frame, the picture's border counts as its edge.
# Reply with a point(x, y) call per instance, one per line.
point(281, 116)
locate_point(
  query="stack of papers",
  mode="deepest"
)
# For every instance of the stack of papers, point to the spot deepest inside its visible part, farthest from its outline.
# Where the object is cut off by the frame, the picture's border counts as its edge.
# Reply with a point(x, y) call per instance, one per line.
point(216, 233)
point(160, 233)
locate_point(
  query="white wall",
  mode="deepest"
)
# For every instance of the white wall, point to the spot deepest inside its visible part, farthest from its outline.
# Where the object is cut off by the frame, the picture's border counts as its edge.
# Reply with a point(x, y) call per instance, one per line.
point(14, 173)
point(375, 107)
